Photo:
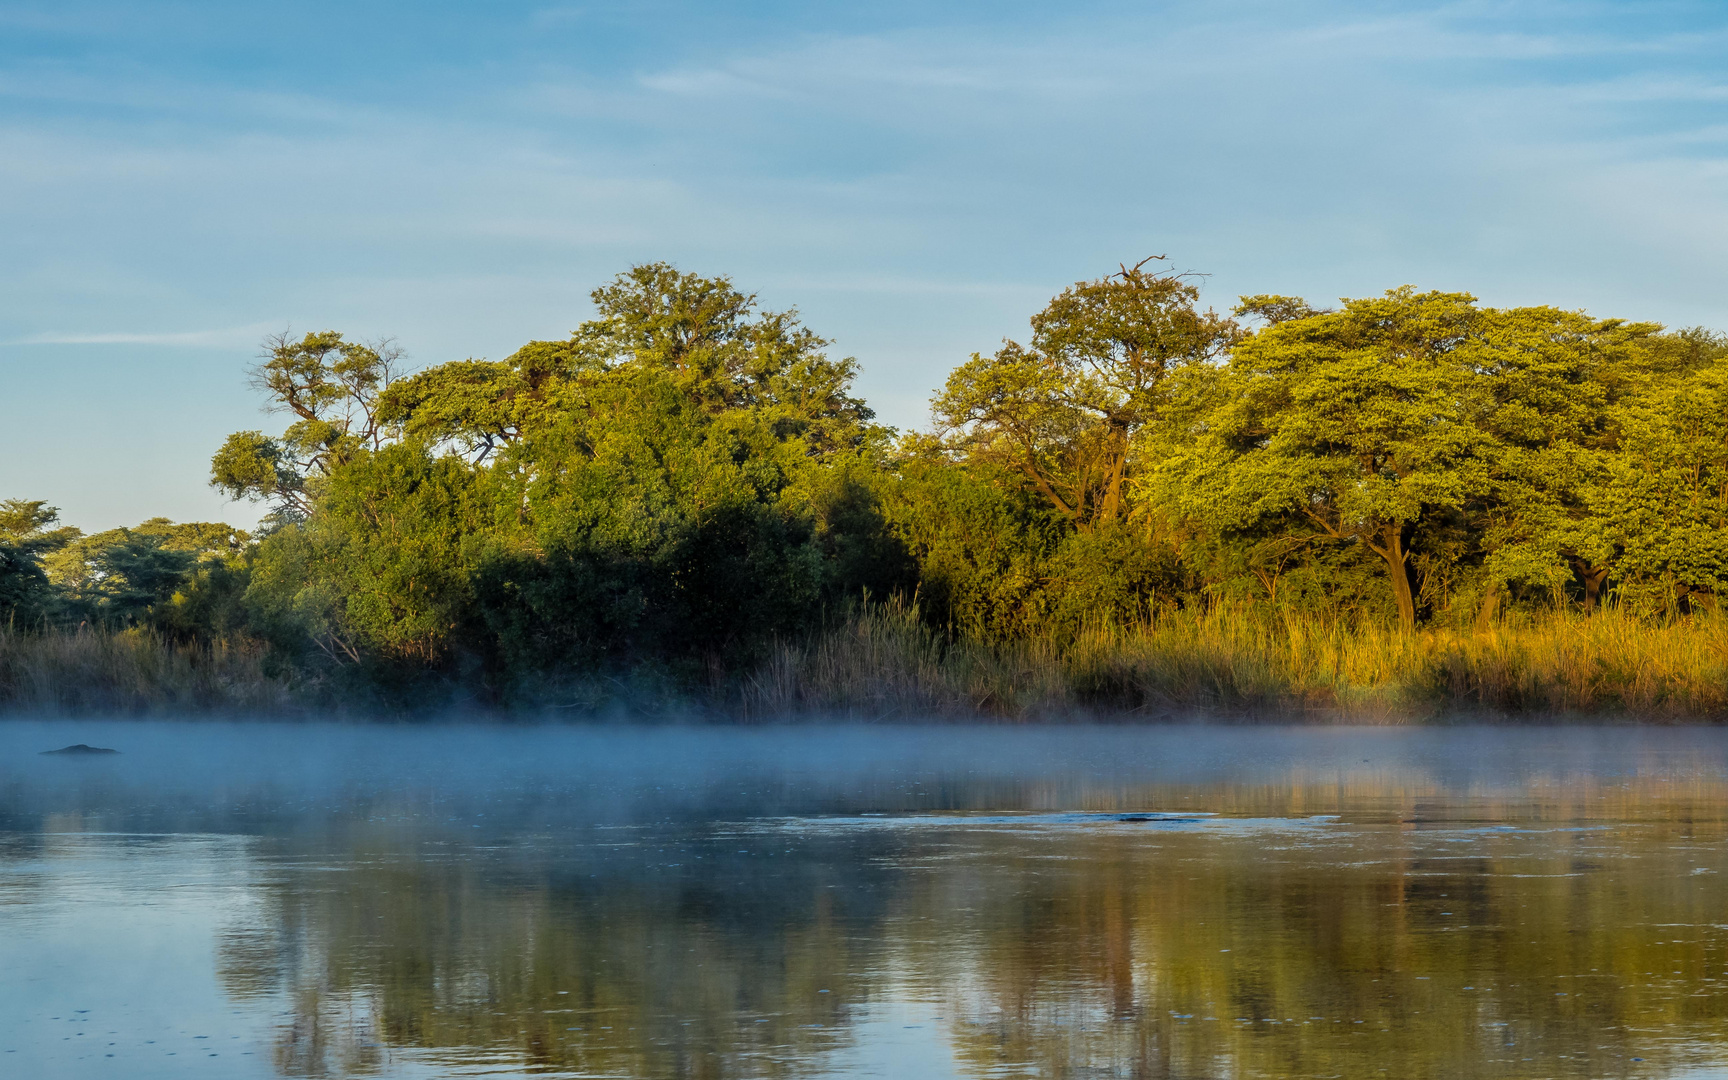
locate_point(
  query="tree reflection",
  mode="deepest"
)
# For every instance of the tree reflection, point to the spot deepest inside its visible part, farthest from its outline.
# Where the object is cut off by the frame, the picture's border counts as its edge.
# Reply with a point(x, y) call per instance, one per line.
point(1565, 930)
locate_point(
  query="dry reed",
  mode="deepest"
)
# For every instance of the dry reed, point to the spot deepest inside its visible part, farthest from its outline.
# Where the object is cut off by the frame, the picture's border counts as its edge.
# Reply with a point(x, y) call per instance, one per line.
point(133, 672)
point(1256, 665)
point(885, 664)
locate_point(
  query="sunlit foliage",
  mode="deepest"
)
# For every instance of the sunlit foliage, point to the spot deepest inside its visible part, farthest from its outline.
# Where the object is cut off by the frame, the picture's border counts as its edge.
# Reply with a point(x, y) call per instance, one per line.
point(687, 483)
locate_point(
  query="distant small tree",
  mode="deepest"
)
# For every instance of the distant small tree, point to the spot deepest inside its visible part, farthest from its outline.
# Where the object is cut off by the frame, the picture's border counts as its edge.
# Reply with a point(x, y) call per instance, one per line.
point(27, 534)
point(125, 577)
point(29, 525)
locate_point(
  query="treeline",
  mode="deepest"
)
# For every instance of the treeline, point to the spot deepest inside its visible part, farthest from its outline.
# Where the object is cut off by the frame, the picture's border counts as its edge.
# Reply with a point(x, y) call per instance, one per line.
point(689, 482)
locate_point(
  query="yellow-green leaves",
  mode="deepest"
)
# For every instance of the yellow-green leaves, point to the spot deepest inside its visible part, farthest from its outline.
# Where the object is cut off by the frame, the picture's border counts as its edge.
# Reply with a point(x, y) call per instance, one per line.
point(1361, 426)
point(1064, 413)
point(1666, 495)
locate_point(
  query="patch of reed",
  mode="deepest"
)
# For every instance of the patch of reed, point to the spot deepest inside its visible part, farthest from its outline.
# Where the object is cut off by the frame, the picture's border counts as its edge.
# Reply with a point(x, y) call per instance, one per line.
point(1236, 664)
point(884, 663)
point(133, 672)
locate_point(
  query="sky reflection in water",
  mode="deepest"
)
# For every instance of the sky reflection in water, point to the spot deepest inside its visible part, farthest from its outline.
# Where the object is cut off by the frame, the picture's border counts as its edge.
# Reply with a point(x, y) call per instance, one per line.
point(259, 900)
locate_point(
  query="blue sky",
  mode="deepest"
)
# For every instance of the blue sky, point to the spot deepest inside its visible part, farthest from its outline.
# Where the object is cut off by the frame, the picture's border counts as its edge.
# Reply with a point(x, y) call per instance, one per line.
point(179, 179)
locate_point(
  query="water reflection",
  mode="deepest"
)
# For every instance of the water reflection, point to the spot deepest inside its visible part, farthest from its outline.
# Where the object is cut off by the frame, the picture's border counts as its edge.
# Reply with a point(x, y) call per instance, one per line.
point(1533, 917)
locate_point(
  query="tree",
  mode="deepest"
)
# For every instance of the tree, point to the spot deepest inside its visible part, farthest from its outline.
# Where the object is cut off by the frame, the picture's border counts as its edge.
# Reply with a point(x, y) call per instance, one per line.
point(711, 340)
point(646, 527)
point(115, 578)
point(28, 525)
point(1667, 490)
point(27, 534)
point(1063, 413)
point(127, 577)
point(677, 481)
point(1555, 378)
point(982, 541)
point(1360, 427)
point(333, 388)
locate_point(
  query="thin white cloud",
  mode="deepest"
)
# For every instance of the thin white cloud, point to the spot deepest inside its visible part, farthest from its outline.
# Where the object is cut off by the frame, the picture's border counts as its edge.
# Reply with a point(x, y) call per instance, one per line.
point(226, 337)
point(1656, 89)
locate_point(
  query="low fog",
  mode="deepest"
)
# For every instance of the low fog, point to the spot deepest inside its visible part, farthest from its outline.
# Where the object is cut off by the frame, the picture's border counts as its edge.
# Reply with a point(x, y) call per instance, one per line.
point(242, 776)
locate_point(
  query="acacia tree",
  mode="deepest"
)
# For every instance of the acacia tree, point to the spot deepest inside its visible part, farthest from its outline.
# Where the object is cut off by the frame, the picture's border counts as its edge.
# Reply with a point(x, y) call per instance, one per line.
point(479, 407)
point(27, 535)
point(1667, 491)
point(333, 388)
point(1063, 413)
point(1555, 378)
point(717, 347)
point(1360, 426)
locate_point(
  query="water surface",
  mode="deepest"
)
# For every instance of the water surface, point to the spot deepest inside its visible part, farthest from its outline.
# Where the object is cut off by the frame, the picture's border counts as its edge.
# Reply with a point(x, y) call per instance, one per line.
point(306, 900)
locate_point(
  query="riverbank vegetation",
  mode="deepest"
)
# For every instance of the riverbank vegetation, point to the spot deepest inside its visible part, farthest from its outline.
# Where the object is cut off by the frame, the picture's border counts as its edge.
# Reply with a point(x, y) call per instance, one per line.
point(1409, 506)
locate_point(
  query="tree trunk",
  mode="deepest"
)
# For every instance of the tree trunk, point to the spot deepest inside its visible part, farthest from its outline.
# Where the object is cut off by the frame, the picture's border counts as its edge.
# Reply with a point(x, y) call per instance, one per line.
point(1398, 569)
point(1112, 507)
point(1593, 577)
point(1490, 609)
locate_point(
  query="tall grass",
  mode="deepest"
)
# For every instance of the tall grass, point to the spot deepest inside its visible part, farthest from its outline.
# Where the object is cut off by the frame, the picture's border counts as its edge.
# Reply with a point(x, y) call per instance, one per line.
point(1256, 665)
point(133, 672)
point(885, 664)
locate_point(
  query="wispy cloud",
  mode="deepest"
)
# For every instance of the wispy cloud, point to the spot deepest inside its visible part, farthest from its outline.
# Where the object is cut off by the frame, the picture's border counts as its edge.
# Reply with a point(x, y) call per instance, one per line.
point(224, 338)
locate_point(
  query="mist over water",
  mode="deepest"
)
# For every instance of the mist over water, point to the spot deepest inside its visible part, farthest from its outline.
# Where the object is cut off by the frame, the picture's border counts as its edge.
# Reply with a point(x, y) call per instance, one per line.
point(443, 900)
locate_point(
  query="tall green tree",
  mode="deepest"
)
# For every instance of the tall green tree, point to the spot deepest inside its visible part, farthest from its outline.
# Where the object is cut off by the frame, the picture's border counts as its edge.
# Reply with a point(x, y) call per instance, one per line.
point(1361, 427)
point(1555, 378)
point(678, 481)
point(1667, 489)
point(1064, 412)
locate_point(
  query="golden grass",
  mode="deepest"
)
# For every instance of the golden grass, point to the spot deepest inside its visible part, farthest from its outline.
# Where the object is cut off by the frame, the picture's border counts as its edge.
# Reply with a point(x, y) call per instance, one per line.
point(1259, 665)
point(134, 672)
point(884, 664)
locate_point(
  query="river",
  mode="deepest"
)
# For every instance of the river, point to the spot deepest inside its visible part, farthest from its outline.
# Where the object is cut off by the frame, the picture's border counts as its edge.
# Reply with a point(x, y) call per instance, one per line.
point(307, 900)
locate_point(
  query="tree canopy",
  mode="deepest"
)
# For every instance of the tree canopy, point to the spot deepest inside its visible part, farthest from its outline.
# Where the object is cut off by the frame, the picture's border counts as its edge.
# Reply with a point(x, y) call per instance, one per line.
point(689, 478)
point(1064, 413)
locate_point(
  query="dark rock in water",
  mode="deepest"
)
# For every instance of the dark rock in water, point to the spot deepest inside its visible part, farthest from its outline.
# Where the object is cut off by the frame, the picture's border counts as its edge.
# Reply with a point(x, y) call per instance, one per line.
point(80, 750)
point(1162, 819)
